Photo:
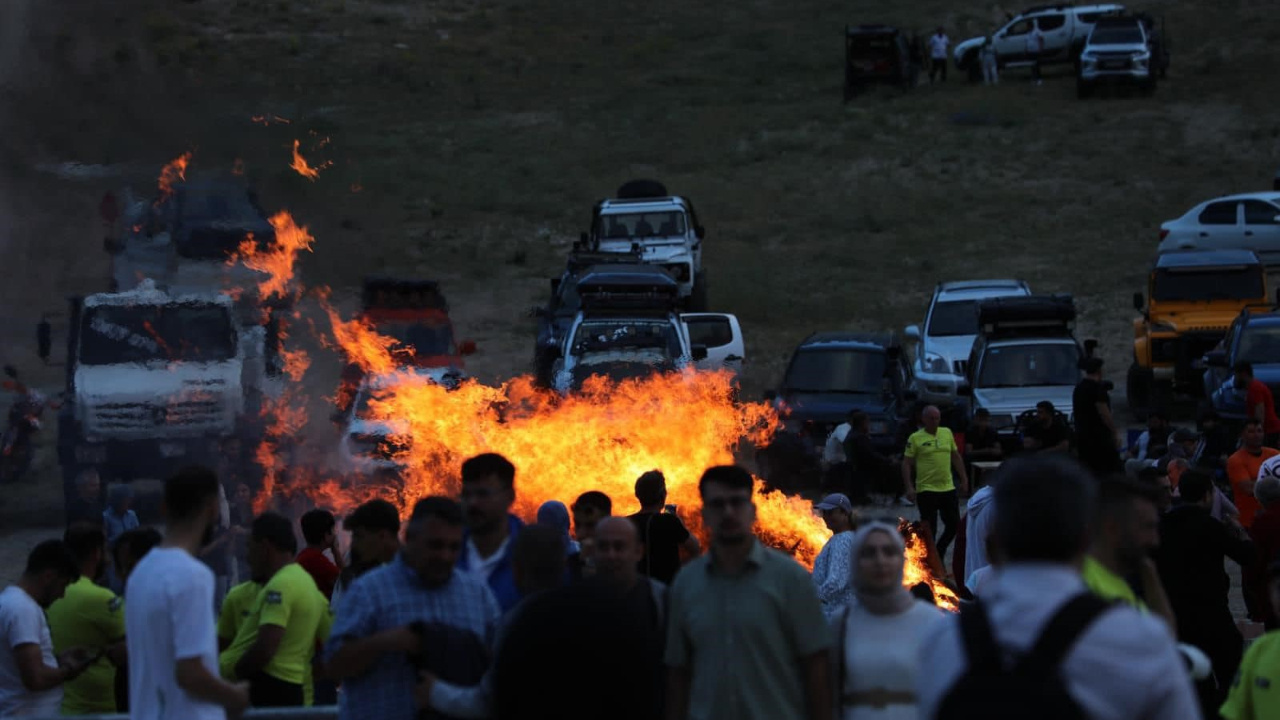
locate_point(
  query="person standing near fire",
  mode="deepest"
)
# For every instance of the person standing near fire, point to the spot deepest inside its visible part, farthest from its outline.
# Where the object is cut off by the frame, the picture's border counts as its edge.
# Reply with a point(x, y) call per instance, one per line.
point(488, 492)
point(929, 465)
point(746, 638)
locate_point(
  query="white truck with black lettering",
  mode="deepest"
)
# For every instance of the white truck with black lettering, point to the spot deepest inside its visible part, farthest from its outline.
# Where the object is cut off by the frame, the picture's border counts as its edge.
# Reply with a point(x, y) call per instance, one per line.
point(155, 382)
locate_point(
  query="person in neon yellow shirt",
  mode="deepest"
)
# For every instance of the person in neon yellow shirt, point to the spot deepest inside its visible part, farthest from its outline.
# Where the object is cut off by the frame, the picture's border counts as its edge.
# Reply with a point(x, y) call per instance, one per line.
point(277, 642)
point(89, 616)
point(1126, 532)
point(237, 607)
point(1255, 693)
point(930, 458)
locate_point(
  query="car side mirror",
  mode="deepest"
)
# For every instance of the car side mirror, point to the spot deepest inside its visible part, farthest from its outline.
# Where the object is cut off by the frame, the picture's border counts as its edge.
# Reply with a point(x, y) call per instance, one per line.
point(912, 332)
point(1216, 358)
point(770, 395)
point(467, 347)
point(699, 352)
point(114, 246)
point(699, 232)
point(1138, 302)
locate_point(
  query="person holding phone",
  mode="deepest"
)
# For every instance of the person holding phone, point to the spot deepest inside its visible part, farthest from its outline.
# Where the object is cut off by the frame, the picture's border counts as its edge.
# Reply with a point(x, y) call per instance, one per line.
point(662, 534)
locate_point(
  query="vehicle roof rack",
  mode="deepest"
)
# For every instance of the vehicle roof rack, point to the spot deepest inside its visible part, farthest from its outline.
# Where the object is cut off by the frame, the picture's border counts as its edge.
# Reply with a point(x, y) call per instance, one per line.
point(389, 293)
point(628, 297)
point(1031, 315)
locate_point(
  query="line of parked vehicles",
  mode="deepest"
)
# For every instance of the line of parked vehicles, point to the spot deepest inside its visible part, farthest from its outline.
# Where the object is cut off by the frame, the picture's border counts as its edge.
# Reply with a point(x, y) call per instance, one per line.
point(1106, 44)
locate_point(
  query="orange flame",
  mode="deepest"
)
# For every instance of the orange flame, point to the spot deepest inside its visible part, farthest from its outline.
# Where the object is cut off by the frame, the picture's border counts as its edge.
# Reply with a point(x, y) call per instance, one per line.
point(917, 569)
point(277, 260)
point(175, 171)
point(305, 170)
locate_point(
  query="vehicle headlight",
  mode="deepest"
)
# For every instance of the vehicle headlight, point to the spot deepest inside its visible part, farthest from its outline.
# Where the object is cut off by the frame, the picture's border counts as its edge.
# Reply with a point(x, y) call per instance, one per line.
point(935, 363)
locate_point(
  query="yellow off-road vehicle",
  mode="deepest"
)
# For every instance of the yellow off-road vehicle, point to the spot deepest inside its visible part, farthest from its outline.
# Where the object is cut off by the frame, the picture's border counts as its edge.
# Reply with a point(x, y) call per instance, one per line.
point(1191, 299)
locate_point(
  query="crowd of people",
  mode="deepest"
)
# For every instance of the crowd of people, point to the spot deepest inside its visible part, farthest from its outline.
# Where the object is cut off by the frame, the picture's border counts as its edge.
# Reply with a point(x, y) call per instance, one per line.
point(1077, 592)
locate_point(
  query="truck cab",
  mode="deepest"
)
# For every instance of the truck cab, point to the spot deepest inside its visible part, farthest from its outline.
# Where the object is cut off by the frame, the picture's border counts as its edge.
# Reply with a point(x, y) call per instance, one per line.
point(1026, 352)
point(1191, 298)
point(662, 228)
point(157, 381)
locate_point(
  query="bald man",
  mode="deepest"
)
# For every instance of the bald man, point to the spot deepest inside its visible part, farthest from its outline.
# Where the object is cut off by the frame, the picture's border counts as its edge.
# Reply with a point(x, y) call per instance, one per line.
point(618, 553)
point(928, 463)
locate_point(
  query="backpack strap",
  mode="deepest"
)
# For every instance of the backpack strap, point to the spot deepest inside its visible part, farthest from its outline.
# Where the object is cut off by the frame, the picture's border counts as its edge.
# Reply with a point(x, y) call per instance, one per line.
point(979, 643)
point(1061, 632)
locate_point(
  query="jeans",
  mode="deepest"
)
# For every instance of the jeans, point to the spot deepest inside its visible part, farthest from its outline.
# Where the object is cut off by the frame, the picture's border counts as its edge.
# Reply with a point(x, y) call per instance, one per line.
point(933, 504)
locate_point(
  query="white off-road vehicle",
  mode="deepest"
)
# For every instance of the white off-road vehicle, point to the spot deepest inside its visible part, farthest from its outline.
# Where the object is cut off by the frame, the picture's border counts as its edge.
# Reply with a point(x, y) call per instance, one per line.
point(629, 328)
point(662, 228)
point(1118, 51)
point(157, 381)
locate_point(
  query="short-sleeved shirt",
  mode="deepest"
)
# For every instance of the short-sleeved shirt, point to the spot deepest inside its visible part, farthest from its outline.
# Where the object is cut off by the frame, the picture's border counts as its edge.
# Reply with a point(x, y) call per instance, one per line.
point(1259, 394)
point(1255, 694)
point(88, 616)
point(169, 617)
point(743, 636)
point(237, 606)
point(1090, 429)
point(322, 570)
point(938, 46)
point(982, 439)
point(1243, 467)
point(22, 622)
point(393, 596)
point(932, 454)
point(1108, 585)
point(661, 536)
point(289, 600)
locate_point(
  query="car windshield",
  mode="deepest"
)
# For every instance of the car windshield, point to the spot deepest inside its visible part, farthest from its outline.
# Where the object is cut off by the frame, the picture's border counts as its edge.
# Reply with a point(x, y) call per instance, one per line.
point(425, 338)
point(626, 334)
point(836, 370)
point(115, 334)
point(1116, 36)
point(1227, 283)
point(641, 225)
point(1260, 344)
point(957, 317)
point(1030, 365)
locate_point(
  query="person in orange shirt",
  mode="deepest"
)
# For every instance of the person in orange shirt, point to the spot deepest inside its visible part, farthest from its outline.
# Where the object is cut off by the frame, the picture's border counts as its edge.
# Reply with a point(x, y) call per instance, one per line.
point(1242, 469)
point(1259, 403)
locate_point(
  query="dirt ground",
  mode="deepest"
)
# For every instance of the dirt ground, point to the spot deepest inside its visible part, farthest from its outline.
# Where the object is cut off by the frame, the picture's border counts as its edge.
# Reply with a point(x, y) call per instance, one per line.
point(469, 139)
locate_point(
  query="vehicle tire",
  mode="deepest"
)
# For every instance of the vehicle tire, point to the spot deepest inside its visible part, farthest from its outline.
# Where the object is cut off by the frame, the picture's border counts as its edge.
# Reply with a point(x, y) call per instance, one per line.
point(698, 298)
point(1138, 390)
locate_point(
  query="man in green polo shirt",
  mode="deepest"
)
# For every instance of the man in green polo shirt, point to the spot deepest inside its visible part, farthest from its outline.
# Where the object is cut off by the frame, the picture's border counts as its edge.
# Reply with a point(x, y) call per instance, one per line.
point(89, 616)
point(1255, 694)
point(746, 637)
point(930, 458)
point(277, 641)
point(1126, 532)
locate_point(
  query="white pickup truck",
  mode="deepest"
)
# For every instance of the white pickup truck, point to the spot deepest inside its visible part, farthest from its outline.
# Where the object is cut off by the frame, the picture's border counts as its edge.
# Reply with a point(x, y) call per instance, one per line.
point(1063, 27)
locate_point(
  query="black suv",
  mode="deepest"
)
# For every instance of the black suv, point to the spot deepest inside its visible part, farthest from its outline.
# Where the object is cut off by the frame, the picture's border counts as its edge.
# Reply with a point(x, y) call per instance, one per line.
point(876, 54)
point(831, 374)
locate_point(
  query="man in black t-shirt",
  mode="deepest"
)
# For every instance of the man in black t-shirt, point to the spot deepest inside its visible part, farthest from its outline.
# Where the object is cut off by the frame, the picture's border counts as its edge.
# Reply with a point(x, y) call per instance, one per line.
point(1046, 433)
point(661, 533)
point(981, 443)
point(1095, 429)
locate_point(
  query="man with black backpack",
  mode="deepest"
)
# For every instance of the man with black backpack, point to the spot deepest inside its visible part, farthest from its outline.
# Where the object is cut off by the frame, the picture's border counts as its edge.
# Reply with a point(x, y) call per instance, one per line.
point(1039, 643)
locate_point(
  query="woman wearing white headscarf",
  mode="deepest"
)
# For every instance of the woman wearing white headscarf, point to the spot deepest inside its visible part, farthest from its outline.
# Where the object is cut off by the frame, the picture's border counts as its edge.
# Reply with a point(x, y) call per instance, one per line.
point(877, 637)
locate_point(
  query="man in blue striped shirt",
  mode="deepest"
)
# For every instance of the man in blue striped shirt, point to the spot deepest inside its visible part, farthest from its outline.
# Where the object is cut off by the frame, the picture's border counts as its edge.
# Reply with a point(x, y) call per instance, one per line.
point(372, 647)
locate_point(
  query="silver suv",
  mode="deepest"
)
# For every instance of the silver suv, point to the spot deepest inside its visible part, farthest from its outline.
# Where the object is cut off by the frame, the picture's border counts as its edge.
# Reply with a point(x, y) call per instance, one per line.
point(1118, 51)
point(950, 327)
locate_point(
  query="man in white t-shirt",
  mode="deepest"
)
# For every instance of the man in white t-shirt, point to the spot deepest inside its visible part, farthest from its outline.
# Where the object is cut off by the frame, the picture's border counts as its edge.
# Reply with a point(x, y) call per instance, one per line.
point(31, 677)
point(169, 621)
point(938, 44)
